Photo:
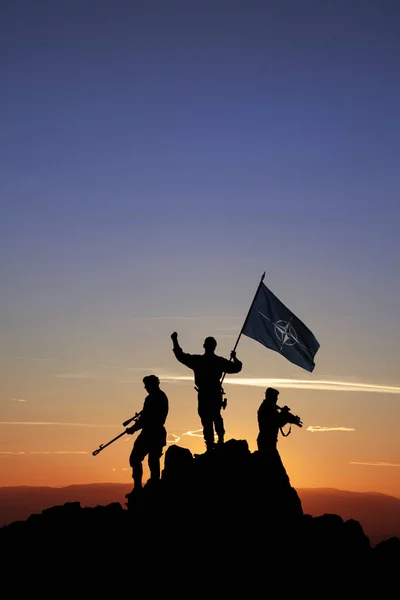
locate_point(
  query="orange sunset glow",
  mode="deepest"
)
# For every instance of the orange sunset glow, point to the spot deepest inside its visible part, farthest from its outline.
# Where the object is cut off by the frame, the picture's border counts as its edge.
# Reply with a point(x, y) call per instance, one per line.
point(156, 162)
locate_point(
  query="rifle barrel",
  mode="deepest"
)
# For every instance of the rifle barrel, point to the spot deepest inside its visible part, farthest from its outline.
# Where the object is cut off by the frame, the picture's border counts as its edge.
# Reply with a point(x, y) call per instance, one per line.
point(102, 446)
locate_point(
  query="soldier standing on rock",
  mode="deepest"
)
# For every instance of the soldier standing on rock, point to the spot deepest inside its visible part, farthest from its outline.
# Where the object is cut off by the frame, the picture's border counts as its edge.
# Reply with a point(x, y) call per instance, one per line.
point(208, 370)
point(271, 419)
point(153, 435)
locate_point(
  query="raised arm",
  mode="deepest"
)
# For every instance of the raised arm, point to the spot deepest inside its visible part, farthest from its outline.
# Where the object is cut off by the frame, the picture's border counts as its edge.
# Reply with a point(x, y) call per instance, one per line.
point(175, 344)
point(185, 359)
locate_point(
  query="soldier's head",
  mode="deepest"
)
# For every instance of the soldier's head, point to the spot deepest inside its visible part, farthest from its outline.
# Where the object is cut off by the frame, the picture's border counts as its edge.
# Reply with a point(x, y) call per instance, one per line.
point(151, 382)
point(210, 344)
point(272, 394)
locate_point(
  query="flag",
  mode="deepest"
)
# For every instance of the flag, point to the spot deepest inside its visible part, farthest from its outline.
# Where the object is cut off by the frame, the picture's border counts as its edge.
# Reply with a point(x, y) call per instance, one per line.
point(276, 327)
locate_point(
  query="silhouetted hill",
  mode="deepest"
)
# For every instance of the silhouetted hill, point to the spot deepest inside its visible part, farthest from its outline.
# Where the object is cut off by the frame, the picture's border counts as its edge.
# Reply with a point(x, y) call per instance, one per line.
point(379, 514)
point(19, 502)
point(227, 520)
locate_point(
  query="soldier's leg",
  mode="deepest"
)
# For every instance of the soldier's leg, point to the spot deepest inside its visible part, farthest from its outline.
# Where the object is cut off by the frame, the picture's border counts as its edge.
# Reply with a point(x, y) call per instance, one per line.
point(154, 463)
point(136, 458)
point(219, 426)
point(206, 419)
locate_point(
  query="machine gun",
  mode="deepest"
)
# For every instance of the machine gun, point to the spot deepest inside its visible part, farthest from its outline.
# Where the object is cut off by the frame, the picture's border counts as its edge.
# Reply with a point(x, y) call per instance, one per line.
point(290, 418)
point(124, 424)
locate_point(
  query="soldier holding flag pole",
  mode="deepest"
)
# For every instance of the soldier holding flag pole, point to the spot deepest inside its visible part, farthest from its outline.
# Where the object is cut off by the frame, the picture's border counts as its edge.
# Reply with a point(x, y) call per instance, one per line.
point(208, 369)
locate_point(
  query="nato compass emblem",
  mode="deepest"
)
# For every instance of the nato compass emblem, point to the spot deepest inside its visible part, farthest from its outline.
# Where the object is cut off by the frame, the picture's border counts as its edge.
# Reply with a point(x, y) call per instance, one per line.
point(284, 331)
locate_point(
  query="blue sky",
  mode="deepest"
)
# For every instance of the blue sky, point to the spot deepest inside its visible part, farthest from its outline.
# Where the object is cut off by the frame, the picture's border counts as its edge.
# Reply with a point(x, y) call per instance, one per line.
point(158, 157)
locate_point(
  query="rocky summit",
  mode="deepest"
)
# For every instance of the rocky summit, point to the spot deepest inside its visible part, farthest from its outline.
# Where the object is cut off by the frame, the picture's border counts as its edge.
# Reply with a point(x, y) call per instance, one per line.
point(226, 521)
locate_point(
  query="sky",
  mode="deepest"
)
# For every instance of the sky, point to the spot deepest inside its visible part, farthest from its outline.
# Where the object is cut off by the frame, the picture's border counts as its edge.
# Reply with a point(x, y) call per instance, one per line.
point(159, 157)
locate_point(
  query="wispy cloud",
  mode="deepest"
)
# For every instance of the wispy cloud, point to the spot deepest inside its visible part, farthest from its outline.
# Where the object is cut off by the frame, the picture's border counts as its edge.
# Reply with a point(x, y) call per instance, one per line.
point(35, 423)
point(59, 452)
point(191, 433)
point(88, 374)
point(46, 452)
point(119, 368)
point(195, 433)
point(11, 453)
point(300, 384)
point(375, 464)
point(107, 372)
point(148, 369)
point(175, 437)
point(35, 358)
point(320, 428)
point(18, 400)
point(172, 437)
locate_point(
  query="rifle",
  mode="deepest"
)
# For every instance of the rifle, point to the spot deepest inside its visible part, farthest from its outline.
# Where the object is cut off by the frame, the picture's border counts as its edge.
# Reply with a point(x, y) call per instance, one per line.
point(290, 418)
point(124, 424)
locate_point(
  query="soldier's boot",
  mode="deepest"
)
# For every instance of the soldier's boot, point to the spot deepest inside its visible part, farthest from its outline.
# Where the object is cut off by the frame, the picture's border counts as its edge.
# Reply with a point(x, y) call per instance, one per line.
point(210, 446)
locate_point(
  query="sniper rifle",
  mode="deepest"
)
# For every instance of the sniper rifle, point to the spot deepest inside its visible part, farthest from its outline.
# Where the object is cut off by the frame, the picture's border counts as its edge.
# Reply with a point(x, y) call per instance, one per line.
point(124, 424)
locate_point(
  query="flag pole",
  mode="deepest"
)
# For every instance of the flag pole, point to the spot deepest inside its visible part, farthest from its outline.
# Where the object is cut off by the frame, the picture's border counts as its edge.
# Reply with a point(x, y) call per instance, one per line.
point(246, 319)
point(248, 314)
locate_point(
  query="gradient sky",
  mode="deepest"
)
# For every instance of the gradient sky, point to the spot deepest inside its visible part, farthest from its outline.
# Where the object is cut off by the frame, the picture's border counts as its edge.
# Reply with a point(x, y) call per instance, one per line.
point(156, 158)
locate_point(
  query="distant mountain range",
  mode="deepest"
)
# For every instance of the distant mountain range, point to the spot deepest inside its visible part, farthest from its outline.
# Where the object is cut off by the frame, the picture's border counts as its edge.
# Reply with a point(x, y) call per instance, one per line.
point(379, 514)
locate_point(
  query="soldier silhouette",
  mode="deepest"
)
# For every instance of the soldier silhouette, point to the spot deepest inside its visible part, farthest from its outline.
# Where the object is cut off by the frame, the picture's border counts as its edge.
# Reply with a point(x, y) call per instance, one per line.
point(153, 435)
point(271, 419)
point(208, 370)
